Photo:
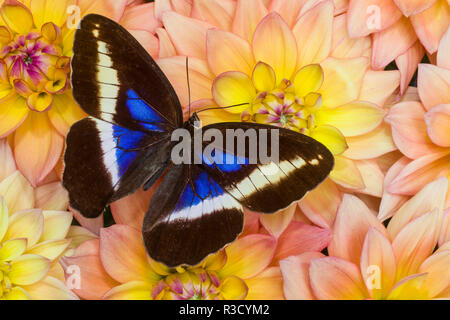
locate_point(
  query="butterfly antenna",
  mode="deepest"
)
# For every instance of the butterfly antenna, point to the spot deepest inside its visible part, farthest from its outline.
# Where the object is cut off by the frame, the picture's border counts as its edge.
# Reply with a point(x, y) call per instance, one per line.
point(188, 85)
point(216, 108)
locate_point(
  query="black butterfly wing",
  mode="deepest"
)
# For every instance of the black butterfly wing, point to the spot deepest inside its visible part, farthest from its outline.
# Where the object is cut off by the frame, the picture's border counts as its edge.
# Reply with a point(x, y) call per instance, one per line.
point(133, 110)
point(189, 217)
point(267, 188)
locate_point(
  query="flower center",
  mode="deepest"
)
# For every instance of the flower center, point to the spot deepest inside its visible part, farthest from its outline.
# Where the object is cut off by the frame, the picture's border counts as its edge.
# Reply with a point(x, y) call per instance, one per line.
point(5, 283)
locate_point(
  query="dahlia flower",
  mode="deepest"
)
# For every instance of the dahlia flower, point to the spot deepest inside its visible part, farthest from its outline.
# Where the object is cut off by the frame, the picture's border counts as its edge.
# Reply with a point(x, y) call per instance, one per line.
point(369, 261)
point(115, 266)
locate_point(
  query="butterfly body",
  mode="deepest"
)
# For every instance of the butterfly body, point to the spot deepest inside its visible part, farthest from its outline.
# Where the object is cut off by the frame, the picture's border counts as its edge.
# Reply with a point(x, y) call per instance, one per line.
point(128, 142)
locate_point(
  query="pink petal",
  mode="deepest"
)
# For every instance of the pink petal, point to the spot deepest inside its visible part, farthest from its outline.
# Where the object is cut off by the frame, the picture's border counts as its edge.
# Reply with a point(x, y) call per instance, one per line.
point(336, 279)
point(228, 52)
point(37, 136)
point(111, 9)
point(378, 86)
point(295, 270)
point(6, 159)
point(392, 202)
point(320, 205)
point(288, 9)
point(353, 220)
point(438, 273)
point(409, 129)
point(148, 41)
point(444, 237)
point(434, 85)
point(313, 32)
point(216, 12)
point(368, 16)
point(183, 7)
point(392, 42)
point(407, 64)
point(345, 47)
point(438, 122)
point(52, 196)
point(123, 254)
point(247, 17)
point(251, 222)
point(412, 7)
point(141, 17)
point(201, 78)
point(420, 172)
point(431, 24)
point(443, 58)
point(161, 7)
point(93, 225)
point(372, 176)
point(95, 282)
point(188, 35)
point(300, 237)
point(166, 48)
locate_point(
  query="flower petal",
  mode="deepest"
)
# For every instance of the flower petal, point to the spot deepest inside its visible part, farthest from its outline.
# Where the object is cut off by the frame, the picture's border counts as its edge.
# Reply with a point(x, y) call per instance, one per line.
point(50, 288)
point(228, 52)
point(17, 16)
point(308, 79)
point(64, 112)
point(233, 288)
point(434, 85)
point(11, 249)
point(288, 9)
point(26, 224)
point(247, 16)
point(412, 7)
point(368, 16)
point(378, 86)
point(352, 222)
point(268, 285)
point(50, 249)
point(342, 80)
point(263, 77)
point(415, 242)
point(407, 64)
point(443, 59)
point(320, 205)
point(281, 54)
point(17, 293)
point(295, 270)
point(52, 196)
point(431, 24)
point(12, 114)
point(438, 272)
point(188, 35)
point(345, 47)
point(111, 9)
point(17, 192)
point(409, 288)
point(8, 166)
point(313, 33)
point(232, 88)
point(218, 13)
point(133, 290)
point(331, 138)
point(409, 129)
point(50, 10)
point(277, 223)
point(166, 48)
point(141, 17)
point(352, 119)
point(28, 269)
point(200, 77)
point(300, 237)
point(392, 42)
point(431, 197)
point(123, 254)
point(346, 173)
point(438, 122)
point(36, 136)
point(378, 264)
point(248, 256)
point(336, 279)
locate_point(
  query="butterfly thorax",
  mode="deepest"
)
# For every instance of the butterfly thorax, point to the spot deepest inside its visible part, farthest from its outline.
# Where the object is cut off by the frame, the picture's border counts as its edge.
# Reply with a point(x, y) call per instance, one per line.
point(192, 123)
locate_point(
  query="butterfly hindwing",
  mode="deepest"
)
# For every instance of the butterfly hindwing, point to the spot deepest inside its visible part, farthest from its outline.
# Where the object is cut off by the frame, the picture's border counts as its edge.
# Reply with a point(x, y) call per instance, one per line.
point(189, 217)
point(267, 188)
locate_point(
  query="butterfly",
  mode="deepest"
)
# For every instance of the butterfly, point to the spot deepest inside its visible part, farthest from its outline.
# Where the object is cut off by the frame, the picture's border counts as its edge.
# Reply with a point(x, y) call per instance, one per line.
point(125, 143)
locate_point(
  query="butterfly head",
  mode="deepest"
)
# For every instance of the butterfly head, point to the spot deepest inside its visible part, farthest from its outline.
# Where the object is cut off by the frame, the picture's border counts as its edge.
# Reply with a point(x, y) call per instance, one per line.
point(193, 122)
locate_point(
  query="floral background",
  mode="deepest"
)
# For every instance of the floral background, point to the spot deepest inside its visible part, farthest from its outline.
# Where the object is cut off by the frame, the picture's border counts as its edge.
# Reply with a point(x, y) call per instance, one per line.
point(370, 79)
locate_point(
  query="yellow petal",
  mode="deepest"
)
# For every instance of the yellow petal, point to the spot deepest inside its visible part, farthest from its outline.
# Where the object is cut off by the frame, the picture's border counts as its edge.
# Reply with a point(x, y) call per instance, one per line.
point(308, 79)
point(215, 262)
point(274, 44)
point(331, 138)
point(352, 119)
point(26, 224)
point(263, 77)
point(50, 288)
point(228, 52)
point(342, 80)
point(28, 269)
point(231, 88)
point(268, 285)
point(346, 173)
point(13, 113)
point(78, 235)
point(17, 293)
point(64, 112)
point(415, 242)
point(313, 32)
point(134, 290)
point(233, 288)
point(50, 249)
point(11, 249)
point(56, 225)
point(378, 264)
point(50, 11)
point(17, 192)
point(40, 101)
point(3, 217)
point(438, 272)
point(17, 16)
point(409, 288)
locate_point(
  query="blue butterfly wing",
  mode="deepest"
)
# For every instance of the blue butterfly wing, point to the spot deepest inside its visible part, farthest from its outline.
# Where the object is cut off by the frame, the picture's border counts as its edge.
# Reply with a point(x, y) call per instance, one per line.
point(132, 110)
